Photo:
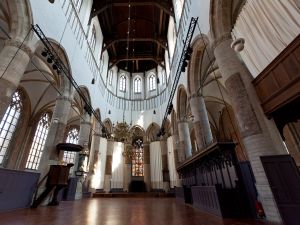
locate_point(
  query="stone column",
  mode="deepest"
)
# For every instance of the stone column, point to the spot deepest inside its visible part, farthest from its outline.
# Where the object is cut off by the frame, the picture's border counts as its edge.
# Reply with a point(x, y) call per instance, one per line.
point(203, 132)
point(127, 170)
point(94, 156)
point(185, 150)
point(251, 121)
point(165, 168)
point(147, 172)
point(108, 166)
point(84, 136)
point(55, 134)
point(11, 71)
point(176, 148)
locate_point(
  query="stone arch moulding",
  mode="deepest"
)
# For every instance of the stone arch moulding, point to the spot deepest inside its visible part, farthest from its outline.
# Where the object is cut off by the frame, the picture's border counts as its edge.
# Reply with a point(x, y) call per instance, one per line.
point(196, 68)
point(222, 17)
point(182, 103)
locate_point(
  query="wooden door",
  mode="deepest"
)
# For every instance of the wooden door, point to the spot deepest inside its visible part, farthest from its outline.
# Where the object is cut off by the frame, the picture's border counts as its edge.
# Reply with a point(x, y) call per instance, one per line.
point(284, 179)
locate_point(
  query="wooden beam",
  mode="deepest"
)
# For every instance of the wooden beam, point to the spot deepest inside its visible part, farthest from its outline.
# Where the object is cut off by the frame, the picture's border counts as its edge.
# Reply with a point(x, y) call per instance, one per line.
point(136, 58)
point(159, 42)
point(166, 8)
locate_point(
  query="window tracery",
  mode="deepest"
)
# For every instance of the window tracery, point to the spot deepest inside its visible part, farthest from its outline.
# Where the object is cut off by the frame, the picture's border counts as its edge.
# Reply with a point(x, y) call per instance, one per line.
point(9, 123)
point(138, 159)
point(137, 85)
point(152, 84)
point(122, 83)
point(38, 142)
point(72, 137)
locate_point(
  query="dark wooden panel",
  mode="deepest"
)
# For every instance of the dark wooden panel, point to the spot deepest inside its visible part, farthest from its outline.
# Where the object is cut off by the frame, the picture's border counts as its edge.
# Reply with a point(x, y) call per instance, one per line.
point(284, 179)
point(179, 194)
point(16, 188)
point(279, 83)
point(206, 199)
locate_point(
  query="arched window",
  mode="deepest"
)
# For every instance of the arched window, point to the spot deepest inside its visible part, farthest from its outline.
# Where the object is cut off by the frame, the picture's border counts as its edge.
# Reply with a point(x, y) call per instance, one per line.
point(122, 83)
point(137, 84)
point(77, 4)
point(93, 39)
point(9, 123)
point(38, 142)
point(138, 158)
point(72, 137)
point(110, 77)
point(163, 77)
point(152, 85)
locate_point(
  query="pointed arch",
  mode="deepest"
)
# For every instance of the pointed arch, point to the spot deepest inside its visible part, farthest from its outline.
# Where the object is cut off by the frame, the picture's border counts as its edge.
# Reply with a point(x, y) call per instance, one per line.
point(182, 103)
point(152, 131)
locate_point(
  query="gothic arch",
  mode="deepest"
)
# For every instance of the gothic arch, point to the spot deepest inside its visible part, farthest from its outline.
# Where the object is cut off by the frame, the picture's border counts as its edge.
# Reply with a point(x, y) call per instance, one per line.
point(108, 125)
point(182, 104)
point(198, 63)
point(223, 14)
point(18, 18)
point(151, 132)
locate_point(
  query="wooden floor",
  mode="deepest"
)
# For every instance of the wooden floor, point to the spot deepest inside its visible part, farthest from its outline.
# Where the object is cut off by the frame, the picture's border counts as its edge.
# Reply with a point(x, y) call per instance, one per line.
point(117, 211)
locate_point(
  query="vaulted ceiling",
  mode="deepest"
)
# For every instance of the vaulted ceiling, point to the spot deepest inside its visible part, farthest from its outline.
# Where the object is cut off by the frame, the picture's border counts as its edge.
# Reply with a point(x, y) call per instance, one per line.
point(143, 47)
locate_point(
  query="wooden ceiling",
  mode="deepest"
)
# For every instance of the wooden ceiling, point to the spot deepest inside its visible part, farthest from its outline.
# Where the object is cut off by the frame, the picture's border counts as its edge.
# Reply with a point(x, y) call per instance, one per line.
point(147, 23)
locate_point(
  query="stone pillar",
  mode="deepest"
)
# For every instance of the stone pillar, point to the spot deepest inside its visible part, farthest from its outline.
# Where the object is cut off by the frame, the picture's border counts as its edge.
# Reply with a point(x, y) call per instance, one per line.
point(55, 134)
point(147, 172)
point(185, 150)
point(127, 170)
point(84, 136)
point(94, 156)
point(11, 71)
point(176, 148)
point(203, 132)
point(108, 166)
point(165, 168)
point(251, 121)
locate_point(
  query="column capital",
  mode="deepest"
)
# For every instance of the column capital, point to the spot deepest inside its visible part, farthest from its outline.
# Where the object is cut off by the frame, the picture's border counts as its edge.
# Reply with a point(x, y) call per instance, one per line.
point(85, 123)
point(224, 37)
point(182, 120)
point(65, 98)
point(18, 44)
point(195, 95)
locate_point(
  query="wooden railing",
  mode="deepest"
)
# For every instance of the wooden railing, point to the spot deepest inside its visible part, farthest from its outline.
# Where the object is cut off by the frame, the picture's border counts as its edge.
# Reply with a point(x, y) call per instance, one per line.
point(279, 83)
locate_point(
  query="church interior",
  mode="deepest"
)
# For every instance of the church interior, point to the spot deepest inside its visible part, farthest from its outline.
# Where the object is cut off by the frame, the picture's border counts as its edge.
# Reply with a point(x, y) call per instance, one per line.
point(149, 112)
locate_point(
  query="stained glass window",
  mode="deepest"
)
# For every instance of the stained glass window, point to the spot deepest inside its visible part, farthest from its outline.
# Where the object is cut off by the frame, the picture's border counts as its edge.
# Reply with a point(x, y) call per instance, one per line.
point(137, 85)
point(38, 142)
point(152, 85)
point(72, 137)
point(9, 123)
point(122, 83)
point(138, 159)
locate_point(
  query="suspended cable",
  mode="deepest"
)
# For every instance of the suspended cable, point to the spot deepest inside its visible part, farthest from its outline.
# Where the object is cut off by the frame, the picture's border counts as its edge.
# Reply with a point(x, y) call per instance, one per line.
point(218, 84)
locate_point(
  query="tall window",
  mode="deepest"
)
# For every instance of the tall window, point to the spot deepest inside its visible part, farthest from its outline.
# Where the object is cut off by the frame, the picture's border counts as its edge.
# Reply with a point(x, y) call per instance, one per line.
point(38, 142)
point(72, 137)
point(9, 123)
point(163, 77)
point(152, 85)
point(138, 159)
point(122, 83)
point(77, 4)
point(137, 85)
point(93, 39)
point(110, 77)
